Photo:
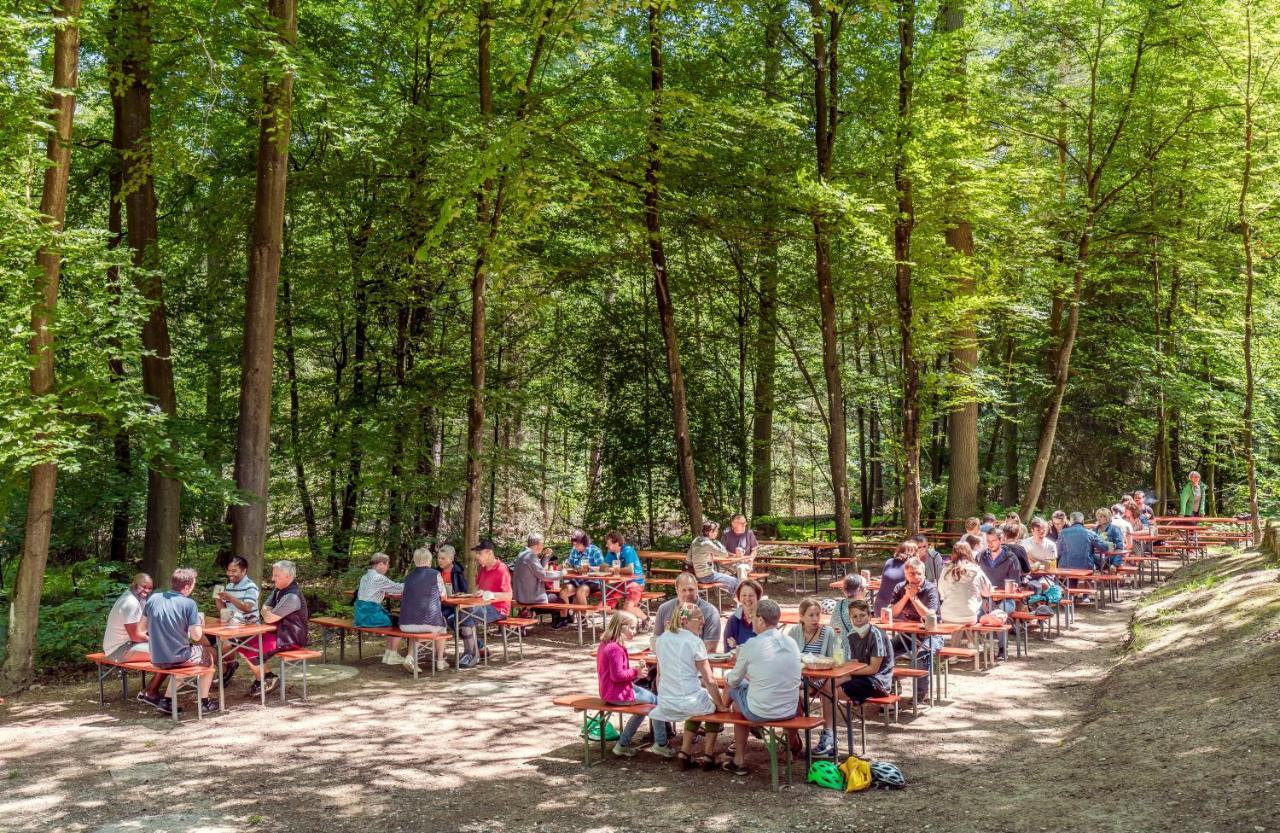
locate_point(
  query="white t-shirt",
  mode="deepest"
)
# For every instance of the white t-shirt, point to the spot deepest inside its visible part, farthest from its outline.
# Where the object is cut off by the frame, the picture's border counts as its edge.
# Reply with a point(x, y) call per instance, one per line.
point(962, 591)
point(680, 691)
point(1126, 528)
point(1044, 552)
point(770, 662)
point(126, 611)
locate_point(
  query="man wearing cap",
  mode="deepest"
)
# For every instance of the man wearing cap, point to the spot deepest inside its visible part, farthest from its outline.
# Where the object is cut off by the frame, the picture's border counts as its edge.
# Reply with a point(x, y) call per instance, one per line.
point(493, 583)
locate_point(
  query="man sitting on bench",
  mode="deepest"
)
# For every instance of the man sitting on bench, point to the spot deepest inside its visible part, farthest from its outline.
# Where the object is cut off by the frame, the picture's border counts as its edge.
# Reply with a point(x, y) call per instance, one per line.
point(765, 681)
point(176, 631)
point(687, 593)
point(493, 581)
point(125, 640)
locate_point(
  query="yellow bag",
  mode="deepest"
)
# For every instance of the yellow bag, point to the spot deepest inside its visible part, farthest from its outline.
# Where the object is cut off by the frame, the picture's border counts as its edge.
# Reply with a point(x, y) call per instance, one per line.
point(857, 774)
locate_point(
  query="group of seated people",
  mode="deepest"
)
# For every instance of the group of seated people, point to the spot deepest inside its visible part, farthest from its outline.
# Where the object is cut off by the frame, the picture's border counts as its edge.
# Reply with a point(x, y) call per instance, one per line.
point(167, 629)
point(766, 682)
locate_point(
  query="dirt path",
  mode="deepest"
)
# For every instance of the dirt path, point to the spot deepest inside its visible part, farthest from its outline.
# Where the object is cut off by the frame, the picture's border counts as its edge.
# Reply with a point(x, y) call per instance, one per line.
point(485, 751)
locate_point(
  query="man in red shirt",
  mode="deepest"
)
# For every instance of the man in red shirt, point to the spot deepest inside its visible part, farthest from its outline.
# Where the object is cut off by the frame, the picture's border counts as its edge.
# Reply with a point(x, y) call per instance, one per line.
point(493, 583)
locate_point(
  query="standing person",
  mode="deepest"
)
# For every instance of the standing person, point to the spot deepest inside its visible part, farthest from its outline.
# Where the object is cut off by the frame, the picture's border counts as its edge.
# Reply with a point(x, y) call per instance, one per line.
point(618, 552)
point(1057, 523)
point(493, 581)
point(933, 562)
point(421, 610)
point(765, 681)
point(582, 555)
point(739, 540)
point(913, 599)
point(616, 677)
point(702, 554)
point(374, 587)
point(1000, 566)
point(739, 628)
point(686, 687)
point(286, 608)
point(175, 630)
point(239, 596)
point(893, 573)
point(1041, 550)
point(687, 593)
point(1194, 499)
point(125, 639)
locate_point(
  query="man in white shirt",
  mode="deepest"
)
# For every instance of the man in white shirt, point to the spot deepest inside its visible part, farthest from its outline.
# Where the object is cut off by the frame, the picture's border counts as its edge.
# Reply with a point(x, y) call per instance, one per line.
point(125, 638)
point(770, 662)
point(1040, 548)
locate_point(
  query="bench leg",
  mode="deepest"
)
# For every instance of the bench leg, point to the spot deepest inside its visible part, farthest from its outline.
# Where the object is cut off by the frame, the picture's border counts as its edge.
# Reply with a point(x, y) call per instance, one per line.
point(284, 678)
point(771, 743)
point(101, 697)
point(506, 632)
point(304, 681)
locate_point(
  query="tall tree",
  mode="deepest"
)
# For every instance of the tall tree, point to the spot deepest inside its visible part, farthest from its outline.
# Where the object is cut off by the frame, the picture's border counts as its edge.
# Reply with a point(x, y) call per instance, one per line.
point(253, 434)
point(903, 225)
point(18, 669)
point(962, 421)
point(661, 282)
point(164, 490)
point(826, 115)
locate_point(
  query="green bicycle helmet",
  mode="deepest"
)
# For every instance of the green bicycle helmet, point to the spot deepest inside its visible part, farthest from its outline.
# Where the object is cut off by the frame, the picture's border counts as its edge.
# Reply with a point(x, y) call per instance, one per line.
point(826, 774)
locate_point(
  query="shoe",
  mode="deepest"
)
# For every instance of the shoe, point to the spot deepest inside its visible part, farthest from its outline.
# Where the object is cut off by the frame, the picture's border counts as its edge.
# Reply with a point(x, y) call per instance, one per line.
point(411, 664)
point(467, 661)
point(685, 762)
point(228, 670)
point(391, 658)
point(1002, 657)
point(664, 751)
point(733, 768)
point(826, 746)
point(208, 705)
point(623, 751)
point(152, 700)
point(165, 706)
point(272, 682)
point(560, 624)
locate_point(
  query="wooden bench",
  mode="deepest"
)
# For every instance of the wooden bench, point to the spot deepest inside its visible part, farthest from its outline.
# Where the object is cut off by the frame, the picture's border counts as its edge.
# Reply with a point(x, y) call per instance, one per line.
point(295, 658)
point(514, 625)
point(1021, 621)
point(585, 614)
point(943, 658)
point(797, 568)
point(342, 626)
point(587, 704)
point(185, 678)
point(902, 672)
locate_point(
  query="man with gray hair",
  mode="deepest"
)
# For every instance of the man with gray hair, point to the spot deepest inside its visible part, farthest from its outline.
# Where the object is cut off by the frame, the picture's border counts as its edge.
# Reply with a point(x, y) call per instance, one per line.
point(286, 608)
point(529, 578)
point(765, 681)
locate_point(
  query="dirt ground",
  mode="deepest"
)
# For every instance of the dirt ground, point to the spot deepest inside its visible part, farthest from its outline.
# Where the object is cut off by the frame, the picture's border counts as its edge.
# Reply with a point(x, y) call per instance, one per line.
point(1172, 727)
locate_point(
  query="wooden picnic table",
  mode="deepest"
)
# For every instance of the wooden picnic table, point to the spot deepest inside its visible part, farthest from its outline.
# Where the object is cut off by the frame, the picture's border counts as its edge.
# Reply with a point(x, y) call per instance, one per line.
point(817, 549)
point(231, 637)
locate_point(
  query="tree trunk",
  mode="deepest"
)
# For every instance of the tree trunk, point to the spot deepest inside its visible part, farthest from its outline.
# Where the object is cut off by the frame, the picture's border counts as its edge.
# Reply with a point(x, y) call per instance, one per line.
point(661, 286)
point(903, 225)
point(825, 112)
point(340, 556)
point(295, 431)
point(120, 514)
point(253, 431)
point(1246, 242)
point(1011, 459)
point(18, 669)
point(962, 421)
point(164, 492)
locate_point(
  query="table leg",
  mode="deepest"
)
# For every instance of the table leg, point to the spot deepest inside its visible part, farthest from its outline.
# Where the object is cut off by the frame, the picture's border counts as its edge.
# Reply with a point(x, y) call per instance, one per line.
point(262, 689)
point(222, 695)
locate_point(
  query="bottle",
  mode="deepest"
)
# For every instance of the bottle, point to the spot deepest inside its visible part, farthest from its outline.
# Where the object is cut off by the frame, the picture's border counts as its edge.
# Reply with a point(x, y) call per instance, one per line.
point(838, 653)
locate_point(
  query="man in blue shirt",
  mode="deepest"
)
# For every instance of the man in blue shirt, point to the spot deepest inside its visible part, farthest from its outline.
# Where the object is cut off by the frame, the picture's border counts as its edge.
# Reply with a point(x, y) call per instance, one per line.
point(176, 631)
point(1080, 548)
point(913, 599)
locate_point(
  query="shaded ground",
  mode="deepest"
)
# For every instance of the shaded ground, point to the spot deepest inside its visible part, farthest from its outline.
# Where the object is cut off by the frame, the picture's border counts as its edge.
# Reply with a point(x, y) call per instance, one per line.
point(1181, 735)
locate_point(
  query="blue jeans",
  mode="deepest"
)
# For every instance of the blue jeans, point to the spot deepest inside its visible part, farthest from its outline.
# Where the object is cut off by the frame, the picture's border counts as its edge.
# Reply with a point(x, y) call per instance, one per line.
point(728, 582)
point(643, 695)
point(926, 645)
point(478, 616)
point(1002, 638)
point(738, 694)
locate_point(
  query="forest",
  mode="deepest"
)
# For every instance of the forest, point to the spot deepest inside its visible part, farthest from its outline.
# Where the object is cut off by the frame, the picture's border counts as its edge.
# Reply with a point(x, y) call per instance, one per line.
point(327, 277)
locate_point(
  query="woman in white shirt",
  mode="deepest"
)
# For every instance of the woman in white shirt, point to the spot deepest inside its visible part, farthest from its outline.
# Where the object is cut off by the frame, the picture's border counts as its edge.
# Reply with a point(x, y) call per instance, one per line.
point(963, 586)
point(685, 685)
point(1040, 548)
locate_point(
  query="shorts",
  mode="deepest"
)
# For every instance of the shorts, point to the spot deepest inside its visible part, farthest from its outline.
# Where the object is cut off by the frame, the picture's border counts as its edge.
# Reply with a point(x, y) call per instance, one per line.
point(739, 696)
point(131, 652)
point(195, 653)
point(635, 592)
point(424, 628)
point(707, 725)
point(250, 649)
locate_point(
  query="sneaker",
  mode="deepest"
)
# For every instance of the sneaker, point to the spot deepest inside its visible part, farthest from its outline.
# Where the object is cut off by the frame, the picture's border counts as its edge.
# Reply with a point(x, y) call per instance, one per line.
point(228, 670)
point(411, 663)
point(208, 705)
point(664, 751)
point(165, 706)
point(1002, 657)
point(272, 682)
point(467, 661)
point(391, 658)
point(152, 700)
point(826, 746)
point(623, 751)
point(560, 624)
